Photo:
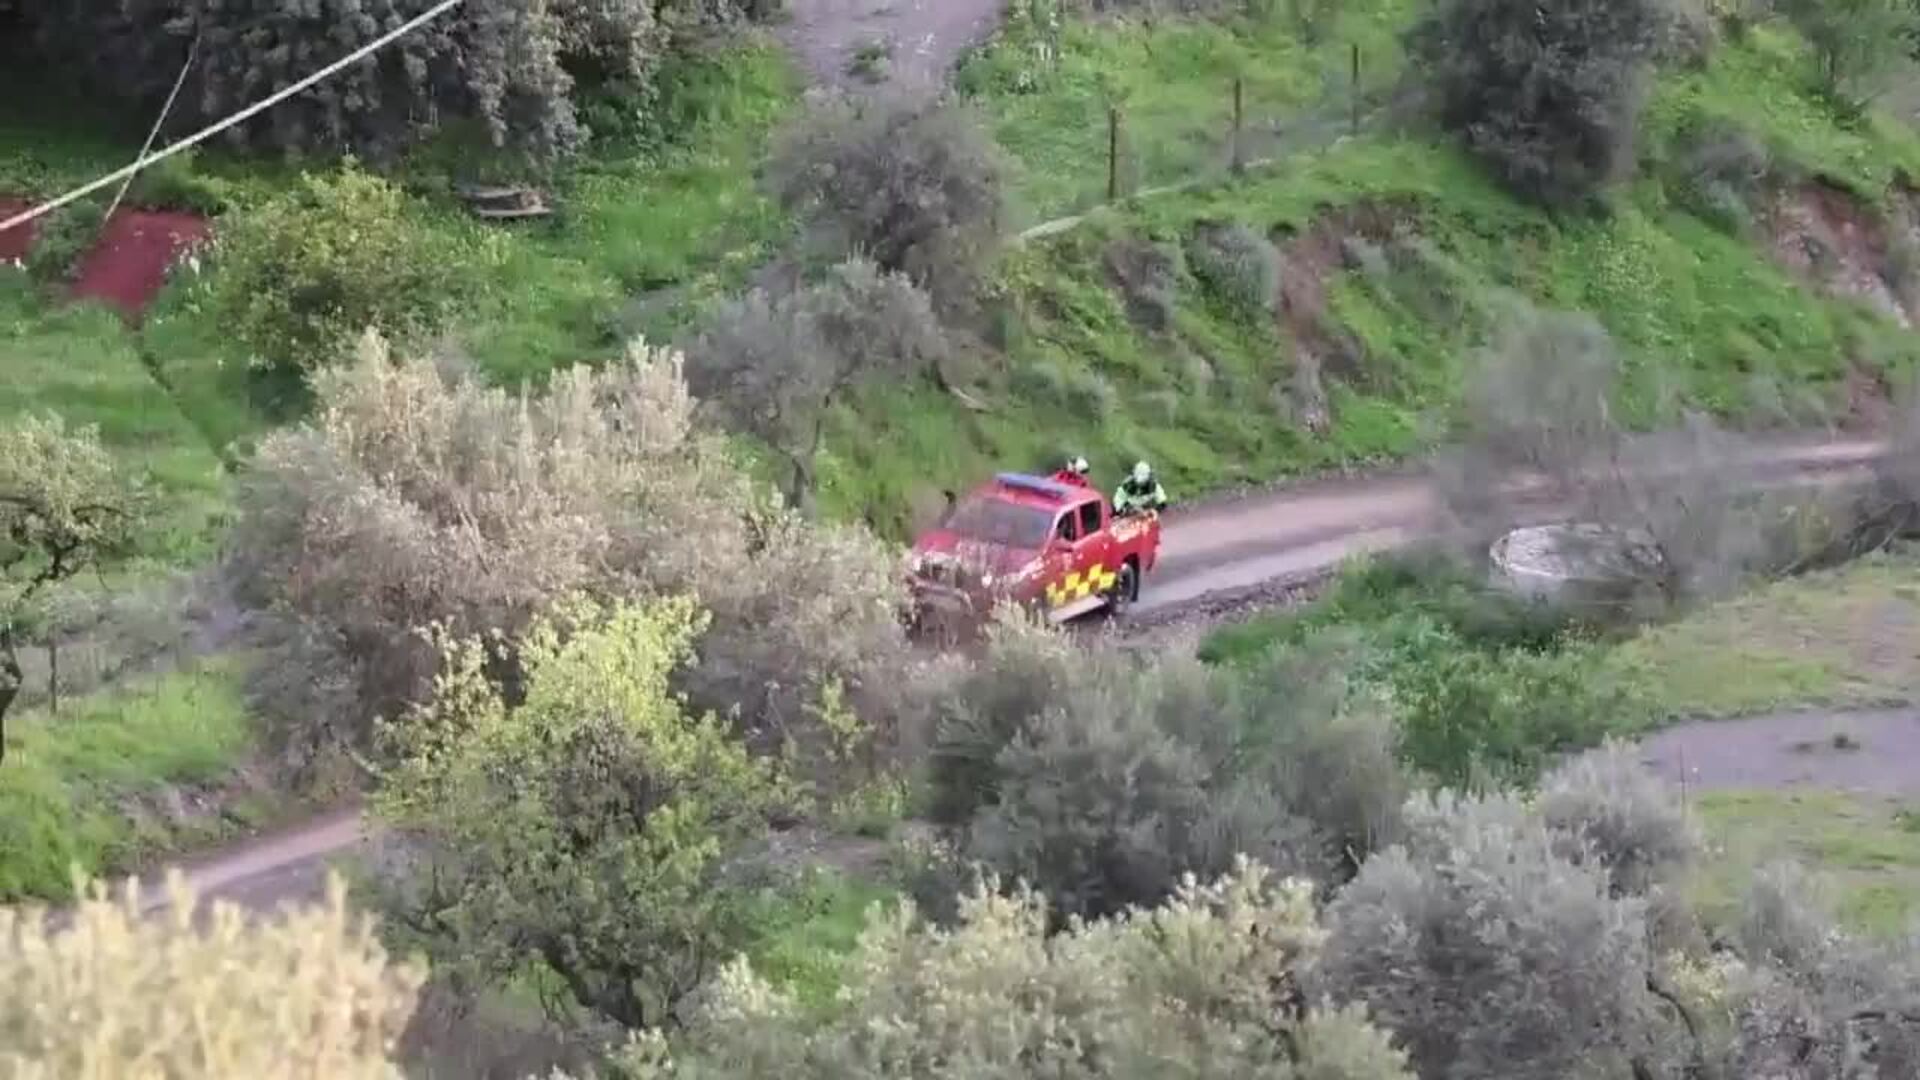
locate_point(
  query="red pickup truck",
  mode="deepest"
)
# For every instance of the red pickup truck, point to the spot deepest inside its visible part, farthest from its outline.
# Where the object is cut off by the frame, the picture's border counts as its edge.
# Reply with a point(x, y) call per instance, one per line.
point(1033, 541)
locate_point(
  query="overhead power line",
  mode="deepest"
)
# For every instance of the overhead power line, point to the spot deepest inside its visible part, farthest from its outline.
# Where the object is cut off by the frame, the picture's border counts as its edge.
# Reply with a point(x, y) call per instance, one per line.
point(242, 116)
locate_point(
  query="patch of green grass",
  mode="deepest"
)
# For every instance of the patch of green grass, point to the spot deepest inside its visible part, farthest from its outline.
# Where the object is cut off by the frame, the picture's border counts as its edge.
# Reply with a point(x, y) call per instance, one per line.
point(1768, 84)
point(1866, 846)
point(1840, 638)
point(646, 232)
point(1172, 80)
point(807, 931)
point(67, 779)
point(81, 363)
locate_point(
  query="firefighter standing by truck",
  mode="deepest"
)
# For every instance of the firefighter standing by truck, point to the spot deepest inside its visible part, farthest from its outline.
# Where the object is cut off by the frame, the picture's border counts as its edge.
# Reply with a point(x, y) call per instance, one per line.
point(1139, 492)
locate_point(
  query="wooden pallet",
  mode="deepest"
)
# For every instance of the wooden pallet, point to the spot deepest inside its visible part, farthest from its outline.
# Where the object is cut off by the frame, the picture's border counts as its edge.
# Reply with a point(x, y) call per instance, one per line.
point(504, 203)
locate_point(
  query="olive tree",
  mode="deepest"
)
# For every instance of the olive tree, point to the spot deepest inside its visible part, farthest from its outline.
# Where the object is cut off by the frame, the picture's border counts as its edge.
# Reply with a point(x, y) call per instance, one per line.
point(63, 505)
point(418, 496)
point(1203, 985)
point(1101, 777)
point(775, 364)
point(1546, 93)
point(912, 182)
point(1668, 512)
point(1490, 954)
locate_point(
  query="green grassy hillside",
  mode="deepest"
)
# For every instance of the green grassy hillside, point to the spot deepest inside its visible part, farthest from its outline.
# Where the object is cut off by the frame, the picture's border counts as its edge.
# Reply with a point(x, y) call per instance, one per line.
point(1411, 254)
point(1399, 256)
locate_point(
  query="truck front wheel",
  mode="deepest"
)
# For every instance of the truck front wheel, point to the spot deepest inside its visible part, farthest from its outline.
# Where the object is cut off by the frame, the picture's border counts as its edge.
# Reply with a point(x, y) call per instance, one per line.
point(1126, 589)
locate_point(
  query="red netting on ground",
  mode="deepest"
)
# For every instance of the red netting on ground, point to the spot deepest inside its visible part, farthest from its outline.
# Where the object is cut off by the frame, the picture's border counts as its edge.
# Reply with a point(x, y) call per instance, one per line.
point(129, 263)
point(15, 241)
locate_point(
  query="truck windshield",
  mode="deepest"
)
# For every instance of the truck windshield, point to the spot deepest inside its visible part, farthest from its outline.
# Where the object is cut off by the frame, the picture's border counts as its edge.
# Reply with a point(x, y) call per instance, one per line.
point(999, 522)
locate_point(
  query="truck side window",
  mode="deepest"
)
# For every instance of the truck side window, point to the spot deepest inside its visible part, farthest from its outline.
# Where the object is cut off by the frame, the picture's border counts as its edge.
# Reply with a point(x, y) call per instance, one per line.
point(1090, 518)
point(1065, 530)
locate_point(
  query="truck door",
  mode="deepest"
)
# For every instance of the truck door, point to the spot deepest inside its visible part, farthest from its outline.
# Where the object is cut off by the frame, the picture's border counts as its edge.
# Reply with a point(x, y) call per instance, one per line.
point(1058, 559)
point(1093, 562)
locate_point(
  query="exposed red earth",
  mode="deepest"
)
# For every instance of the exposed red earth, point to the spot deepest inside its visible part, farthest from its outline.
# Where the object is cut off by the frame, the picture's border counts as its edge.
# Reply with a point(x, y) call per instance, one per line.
point(17, 241)
point(129, 263)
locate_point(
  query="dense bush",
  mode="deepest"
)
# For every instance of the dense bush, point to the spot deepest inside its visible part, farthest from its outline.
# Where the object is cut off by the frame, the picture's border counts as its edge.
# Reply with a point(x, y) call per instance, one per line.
point(63, 239)
point(1239, 265)
point(1488, 954)
point(1100, 778)
point(582, 827)
point(1801, 999)
point(414, 499)
point(1719, 172)
point(1202, 986)
point(774, 364)
point(114, 993)
point(1470, 717)
point(304, 273)
point(508, 65)
point(1547, 94)
point(913, 183)
point(1606, 806)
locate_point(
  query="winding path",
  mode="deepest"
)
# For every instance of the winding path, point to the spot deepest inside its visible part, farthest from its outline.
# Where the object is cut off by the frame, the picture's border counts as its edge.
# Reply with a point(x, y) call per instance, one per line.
point(1208, 550)
point(1861, 753)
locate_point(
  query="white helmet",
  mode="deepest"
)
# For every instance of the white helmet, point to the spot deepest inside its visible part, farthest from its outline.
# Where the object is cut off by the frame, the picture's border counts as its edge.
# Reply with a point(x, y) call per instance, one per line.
point(1078, 465)
point(1142, 472)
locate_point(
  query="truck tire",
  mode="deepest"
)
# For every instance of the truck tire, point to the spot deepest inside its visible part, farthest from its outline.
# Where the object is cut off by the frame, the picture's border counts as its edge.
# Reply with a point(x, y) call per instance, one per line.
point(1126, 589)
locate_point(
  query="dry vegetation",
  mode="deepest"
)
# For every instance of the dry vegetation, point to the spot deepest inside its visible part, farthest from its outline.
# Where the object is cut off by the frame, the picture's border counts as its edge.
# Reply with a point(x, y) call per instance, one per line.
point(107, 994)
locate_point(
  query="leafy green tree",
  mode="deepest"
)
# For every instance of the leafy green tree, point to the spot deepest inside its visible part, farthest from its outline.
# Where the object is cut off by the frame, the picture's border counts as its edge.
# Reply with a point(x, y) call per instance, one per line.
point(584, 827)
point(1546, 92)
point(63, 505)
point(1204, 985)
point(309, 270)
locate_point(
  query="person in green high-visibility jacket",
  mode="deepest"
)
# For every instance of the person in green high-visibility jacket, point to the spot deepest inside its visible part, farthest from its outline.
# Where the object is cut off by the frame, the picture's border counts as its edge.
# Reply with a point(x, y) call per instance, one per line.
point(1140, 492)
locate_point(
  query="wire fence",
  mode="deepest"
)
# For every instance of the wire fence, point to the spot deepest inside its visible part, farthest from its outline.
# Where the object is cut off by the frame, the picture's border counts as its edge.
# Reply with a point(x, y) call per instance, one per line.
point(1164, 143)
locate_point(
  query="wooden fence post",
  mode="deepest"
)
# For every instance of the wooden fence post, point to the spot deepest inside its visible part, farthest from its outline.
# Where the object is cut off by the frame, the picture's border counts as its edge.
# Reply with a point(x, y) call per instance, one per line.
point(1239, 161)
point(1355, 87)
point(1113, 153)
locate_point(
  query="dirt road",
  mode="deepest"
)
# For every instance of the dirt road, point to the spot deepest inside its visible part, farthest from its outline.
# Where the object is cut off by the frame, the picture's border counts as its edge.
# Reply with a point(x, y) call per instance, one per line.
point(1207, 550)
point(915, 43)
point(1865, 753)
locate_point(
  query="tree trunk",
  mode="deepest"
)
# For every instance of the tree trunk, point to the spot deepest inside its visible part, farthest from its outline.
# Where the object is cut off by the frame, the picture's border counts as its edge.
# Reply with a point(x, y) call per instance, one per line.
point(800, 484)
point(53, 674)
point(10, 679)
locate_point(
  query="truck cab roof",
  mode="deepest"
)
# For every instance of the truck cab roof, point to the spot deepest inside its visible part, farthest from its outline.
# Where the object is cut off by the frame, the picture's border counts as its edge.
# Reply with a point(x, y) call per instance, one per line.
point(1038, 491)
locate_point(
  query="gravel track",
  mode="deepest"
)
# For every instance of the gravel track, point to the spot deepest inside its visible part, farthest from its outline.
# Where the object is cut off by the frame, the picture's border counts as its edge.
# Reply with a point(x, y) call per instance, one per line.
point(1218, 561)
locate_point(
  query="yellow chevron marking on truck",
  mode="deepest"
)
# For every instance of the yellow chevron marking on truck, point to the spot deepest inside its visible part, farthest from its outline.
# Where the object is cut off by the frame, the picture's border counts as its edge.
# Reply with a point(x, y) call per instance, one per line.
point(1081, 584)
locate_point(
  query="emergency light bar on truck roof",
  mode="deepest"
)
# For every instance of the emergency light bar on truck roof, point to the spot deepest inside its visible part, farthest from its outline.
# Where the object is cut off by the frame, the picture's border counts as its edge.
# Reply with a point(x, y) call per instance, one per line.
point(1035, 485)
